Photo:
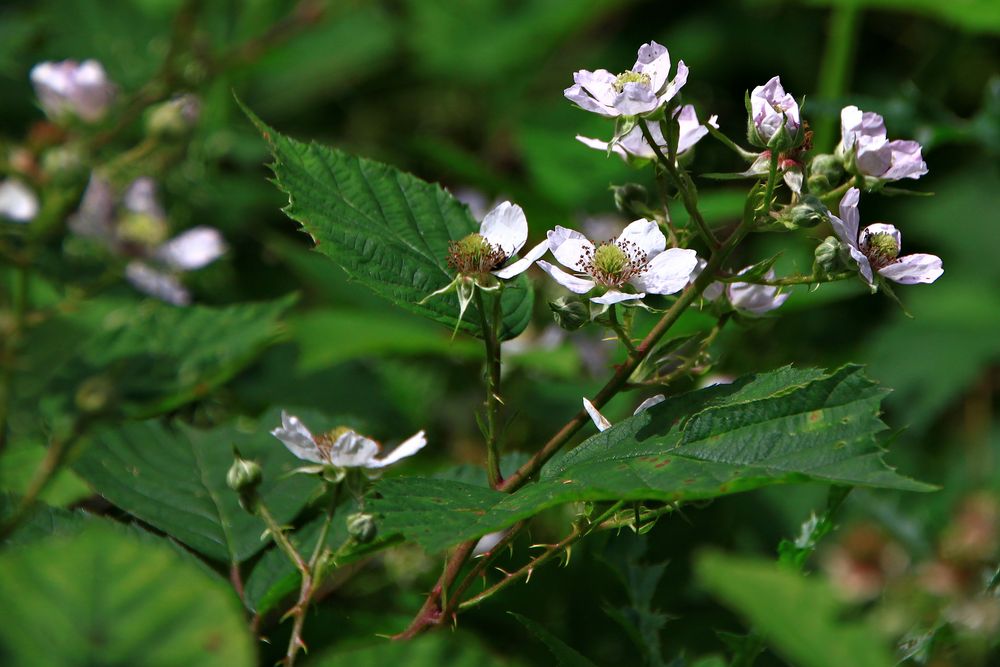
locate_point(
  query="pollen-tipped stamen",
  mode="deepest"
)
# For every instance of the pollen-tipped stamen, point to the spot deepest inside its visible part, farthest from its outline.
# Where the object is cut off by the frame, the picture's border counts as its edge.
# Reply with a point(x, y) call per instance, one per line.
point(474, 255)
point(881, 249)
point(628, 76)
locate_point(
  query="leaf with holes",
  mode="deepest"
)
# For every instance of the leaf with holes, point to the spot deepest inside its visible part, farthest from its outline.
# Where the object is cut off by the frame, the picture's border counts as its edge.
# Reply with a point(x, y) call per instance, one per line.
point(781, 427)
point(388, 229)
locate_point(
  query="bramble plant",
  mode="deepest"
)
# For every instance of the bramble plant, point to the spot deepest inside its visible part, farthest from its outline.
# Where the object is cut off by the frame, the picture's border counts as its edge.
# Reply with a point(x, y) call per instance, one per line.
point(191, 493)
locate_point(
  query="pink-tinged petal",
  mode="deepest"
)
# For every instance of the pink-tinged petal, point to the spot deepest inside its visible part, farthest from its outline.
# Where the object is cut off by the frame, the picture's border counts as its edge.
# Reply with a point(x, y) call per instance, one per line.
point(756, 299)
point(636, 99)
point(676, 84)
point(633, 143)
point(578, 96)
point(646, 235)
point(297, 438)
point(879, 228)
point(873, 158)
point(769, 104)
point(193, 249)
point(690, 130)
point(570, 282)
point(600, 421)
point(668, 272)
point(653, 61)
point(406, 448)
point(523, 264)
point(569, 246)
point(618, 149)
point(913, 269)
point(505, 227)
point(713, 291)
point(613, 296)
point(850, 219)
point(650, 402)
point(793, 179)
point(907, 161)
point(860, 127)
point(864, 266)
point(158, 284)
point(141, 197)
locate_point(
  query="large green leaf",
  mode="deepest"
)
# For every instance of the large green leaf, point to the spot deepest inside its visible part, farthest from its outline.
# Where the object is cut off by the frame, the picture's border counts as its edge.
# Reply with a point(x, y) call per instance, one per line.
point(780, 427)
point(174, 478)
point(388, 229)
point(800, 617)
point(104, 598)
point(149, 357)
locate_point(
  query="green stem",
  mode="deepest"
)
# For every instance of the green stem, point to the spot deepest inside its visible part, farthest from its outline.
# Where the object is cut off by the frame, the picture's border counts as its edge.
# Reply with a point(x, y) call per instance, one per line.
point(492, 344)
point(772, 182)
point(684, 186)
point(19, 308)
point(749, 156)
point(616, 325)
point(279, 537)
point(833, 196)
point(836, 68)
point(789, 280)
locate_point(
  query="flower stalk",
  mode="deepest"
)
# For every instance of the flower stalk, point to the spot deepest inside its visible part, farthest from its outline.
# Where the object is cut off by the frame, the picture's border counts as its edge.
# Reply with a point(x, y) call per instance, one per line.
point(493, 365)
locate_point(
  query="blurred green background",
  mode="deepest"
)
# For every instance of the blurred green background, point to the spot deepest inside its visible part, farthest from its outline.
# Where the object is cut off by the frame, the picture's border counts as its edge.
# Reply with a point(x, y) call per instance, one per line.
point(469, 93)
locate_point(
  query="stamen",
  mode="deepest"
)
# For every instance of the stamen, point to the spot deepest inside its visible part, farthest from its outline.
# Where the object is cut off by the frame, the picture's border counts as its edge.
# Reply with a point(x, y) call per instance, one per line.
point(614, 262)
point(880, 248)
point(474, 255)
point(628, 76)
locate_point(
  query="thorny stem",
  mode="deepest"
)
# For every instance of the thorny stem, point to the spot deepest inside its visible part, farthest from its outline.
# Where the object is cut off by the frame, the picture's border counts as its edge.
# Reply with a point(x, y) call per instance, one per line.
point(580, 530)
point(684, 187)
point(492, 385)
point(689, 363)
point(56, 454)
point(278, 535)
point(800, 279)
point(430, 613)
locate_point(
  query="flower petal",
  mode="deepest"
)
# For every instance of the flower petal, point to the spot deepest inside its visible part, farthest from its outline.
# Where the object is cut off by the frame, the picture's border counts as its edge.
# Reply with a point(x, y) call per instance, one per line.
point(654, 61)
point(650, 402)
point(636, 99)
point(907, 161)
point(613, 296)
point(846, 226)
point(646, 235)
point(621, 149)
point(297, 438)
point(505, 227)
point(913, 269)
point(353, 450)
point(879, 228)
point(522, 265)
point(690, 130)
point(568, 245)
point(600, 421)
point(570, 282)
point(193, 249)
point(676, 84)
point(756, 299)
point(156, 283)
point(668, 272)
point(17, 201)
point(600, 84)
point(406, 448)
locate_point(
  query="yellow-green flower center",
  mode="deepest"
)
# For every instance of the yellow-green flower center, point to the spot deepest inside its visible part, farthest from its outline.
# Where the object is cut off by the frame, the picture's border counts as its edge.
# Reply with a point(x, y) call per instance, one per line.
point(614, 262)
point(610, 259)
point(142, 229)
point(474, 255)
point(881, 249)
point(628, 76)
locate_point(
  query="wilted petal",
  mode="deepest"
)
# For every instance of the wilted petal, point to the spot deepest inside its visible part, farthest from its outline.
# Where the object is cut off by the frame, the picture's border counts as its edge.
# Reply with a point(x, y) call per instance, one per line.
point(408, 447)
point(646, 235)
point(600, 421)
point(756, 299)
point(17, 201)
point(193, 249)
point(570, 282)
point(163, 286)
point(650, 402)
point(793, 179)
point(907, 161)
point(505, 227)
point(913, 269)
point(668, 272)
point(523, 264)
point(297, 438)
point(613, 296)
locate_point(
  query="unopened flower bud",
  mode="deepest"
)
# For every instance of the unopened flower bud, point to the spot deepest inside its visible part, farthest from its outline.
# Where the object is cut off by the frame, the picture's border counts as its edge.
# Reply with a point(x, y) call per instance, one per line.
point(570, 312)
point(809, 212)
point(632, 200)
point(94, 394)
point(174, 118)
point(244, 477)
point(830, 257)
point(69, 88)
point(773, 117)
point(361, 526)
point(825, 172)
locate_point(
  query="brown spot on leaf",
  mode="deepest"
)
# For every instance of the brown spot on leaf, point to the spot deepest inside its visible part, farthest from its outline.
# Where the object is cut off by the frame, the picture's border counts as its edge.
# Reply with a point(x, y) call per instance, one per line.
point(662, 463)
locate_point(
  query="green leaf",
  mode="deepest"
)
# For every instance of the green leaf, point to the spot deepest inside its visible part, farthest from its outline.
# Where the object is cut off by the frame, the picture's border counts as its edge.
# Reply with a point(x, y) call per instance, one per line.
point(800, 617)
point(104, 598)
point(454, 649)
point(388, 229)
point(565, 655)
point(174, 478)
point(41, 521)
point(18, 465)
point(781, 427)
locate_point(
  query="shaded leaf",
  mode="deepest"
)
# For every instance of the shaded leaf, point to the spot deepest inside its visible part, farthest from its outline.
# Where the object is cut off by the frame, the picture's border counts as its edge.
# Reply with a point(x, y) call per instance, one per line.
point(565, 655)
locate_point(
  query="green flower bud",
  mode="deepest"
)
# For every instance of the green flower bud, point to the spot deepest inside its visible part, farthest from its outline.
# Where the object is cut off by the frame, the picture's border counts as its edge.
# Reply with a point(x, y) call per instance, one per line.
point(244, 474)
point(632, 200)
point(570, 312)
point(94, 394)
point(809, 212)
point(361, 526)
point(174, 118)
point(825, 173)
point(830, 257)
